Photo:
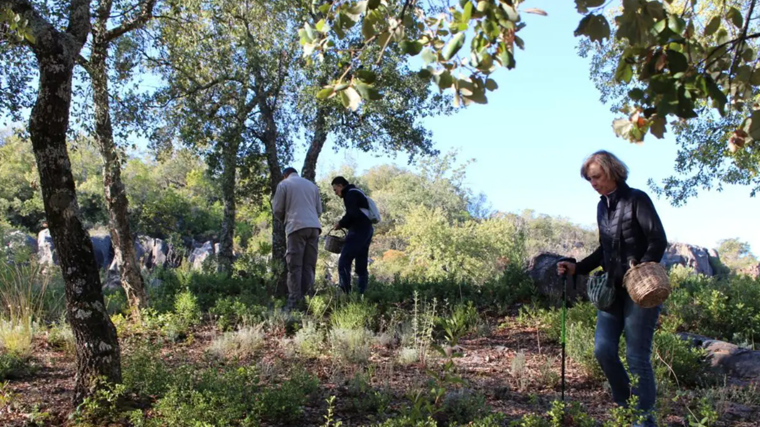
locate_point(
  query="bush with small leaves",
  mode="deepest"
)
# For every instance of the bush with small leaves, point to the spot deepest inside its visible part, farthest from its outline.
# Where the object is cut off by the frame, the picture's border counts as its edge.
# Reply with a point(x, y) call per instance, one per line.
point(309, 340)
point(354, 314)
point(350, 345)
point(244, 342)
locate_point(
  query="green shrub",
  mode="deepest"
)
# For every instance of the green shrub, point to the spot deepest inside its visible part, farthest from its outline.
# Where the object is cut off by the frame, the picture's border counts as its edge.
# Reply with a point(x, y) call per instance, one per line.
point(365, 399)
point(13, 366)
point(230, 396)
point(350, 345)
point(354, 314)
point(726, 308)
point(463, 406)
point(309, 340)
point(676, 360)
point(144, 371)
point(244, 342)
point(229, 313)
point(60, 336)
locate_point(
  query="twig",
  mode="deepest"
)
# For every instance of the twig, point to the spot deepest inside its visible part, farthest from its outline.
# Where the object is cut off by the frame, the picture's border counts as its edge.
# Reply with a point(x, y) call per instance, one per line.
point(737, 52)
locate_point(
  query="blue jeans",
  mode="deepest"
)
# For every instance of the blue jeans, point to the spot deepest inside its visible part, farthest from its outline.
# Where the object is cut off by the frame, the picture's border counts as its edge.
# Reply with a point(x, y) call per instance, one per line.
point(638, 324)
point(356, 249)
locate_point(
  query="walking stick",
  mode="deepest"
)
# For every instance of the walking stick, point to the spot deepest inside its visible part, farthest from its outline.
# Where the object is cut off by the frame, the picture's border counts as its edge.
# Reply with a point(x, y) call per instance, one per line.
point(564, 340)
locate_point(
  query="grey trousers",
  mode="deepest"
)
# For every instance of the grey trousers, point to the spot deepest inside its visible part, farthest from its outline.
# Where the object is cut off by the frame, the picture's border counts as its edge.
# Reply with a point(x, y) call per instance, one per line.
point(301, 257)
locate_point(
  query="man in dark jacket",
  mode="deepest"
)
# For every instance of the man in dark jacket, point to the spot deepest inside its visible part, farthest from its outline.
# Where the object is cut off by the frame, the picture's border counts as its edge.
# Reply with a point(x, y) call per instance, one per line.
point(359, 235)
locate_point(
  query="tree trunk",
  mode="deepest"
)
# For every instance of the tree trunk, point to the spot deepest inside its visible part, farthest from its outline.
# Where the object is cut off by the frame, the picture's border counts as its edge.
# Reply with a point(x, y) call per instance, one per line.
point(115, 194)
point(317, 142)
point(279, 238)
point(97, 346)
point(229, 175)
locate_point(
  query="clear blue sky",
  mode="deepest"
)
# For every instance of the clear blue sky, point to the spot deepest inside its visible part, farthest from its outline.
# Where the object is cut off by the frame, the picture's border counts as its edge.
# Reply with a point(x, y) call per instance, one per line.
point(544, 119)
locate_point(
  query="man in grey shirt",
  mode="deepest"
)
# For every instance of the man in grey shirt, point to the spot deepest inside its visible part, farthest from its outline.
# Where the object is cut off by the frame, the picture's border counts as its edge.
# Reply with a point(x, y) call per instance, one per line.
point(297, 203)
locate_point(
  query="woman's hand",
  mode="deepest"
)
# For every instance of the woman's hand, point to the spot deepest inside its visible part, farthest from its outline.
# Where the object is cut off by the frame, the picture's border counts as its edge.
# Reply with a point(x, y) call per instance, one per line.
point(565, 267)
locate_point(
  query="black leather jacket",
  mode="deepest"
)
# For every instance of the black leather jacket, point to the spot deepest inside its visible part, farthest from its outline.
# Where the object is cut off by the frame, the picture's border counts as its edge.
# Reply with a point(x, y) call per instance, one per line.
point(642, 235)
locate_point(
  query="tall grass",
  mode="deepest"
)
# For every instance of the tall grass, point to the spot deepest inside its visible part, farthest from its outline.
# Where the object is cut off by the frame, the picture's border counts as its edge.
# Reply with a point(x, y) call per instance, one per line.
point(27, 295)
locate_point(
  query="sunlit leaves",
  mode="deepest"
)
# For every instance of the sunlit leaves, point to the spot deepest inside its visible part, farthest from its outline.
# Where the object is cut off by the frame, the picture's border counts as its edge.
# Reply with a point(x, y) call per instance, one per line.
point(15, 25)
point(459, 48)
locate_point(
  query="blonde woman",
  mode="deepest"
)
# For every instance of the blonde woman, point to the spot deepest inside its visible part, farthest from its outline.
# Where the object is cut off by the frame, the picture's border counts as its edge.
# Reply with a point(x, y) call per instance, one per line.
point(630, 231)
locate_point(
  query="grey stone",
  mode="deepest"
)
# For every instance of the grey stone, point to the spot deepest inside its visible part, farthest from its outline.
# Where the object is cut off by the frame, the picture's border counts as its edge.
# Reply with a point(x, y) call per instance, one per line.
point(727, 358)
point(687, 255)
point(543, 270)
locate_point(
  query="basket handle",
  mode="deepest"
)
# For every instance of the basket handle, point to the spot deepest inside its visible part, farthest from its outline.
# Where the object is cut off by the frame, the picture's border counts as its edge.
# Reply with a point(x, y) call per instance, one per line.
point(333, 229)
point(632, 263)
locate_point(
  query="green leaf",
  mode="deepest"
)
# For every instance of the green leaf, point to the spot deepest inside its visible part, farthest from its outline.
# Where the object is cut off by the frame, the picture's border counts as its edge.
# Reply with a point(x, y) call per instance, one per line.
point(583, 5)
point(657, 127)
point(310, 34)
point(325, 93)
point(636, 94)
point(735, 17)
point(453, 46)
point(373, 4)
point(350, 98)
point(677, 61)
point(491, 85)
point(719, 98)
point(595, 27)
point(712, 26)
point(411, 47)
point(428, 56)
point(366, 76)
point(368, 92)
point(467, 13)
point(483, 5)
point(511, 12)
point(676, 24)
point(356, 10)
point(368, 28)
point(519, 43)
point(444, 80)
point(424, 74)
point(754, 80)
point(660, 26)
point(506, 58)
point(754, 126)
point(661, 83)
point(624, 71)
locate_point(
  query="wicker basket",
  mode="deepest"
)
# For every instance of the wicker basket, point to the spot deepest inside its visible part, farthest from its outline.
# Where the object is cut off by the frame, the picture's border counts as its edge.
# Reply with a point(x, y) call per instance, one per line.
point(647, 284)
point(334, 243)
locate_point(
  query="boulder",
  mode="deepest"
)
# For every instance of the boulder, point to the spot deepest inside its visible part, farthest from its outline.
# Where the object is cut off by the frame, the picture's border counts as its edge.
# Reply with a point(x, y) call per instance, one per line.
point(201, 254)
point(154, 252)
point(103, 250)
point(543, 270)
point(729, 359)
point(16, 242)
point(692, 256)
point(45, 251)
point(752, 271)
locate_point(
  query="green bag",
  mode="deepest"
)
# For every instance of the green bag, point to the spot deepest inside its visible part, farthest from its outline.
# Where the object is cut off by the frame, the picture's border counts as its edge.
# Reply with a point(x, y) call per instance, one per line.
point(601, 286)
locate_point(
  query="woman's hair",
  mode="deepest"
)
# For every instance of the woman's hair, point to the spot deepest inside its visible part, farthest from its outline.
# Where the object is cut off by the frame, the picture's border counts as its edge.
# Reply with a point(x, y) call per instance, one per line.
point(610, 164)
point(339, 180)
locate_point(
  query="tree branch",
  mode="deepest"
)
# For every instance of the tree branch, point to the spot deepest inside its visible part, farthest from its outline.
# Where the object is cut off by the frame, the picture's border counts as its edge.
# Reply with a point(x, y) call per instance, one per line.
point(79, 20)
point(146, 13)
point(743, 38)
point(84, 63)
